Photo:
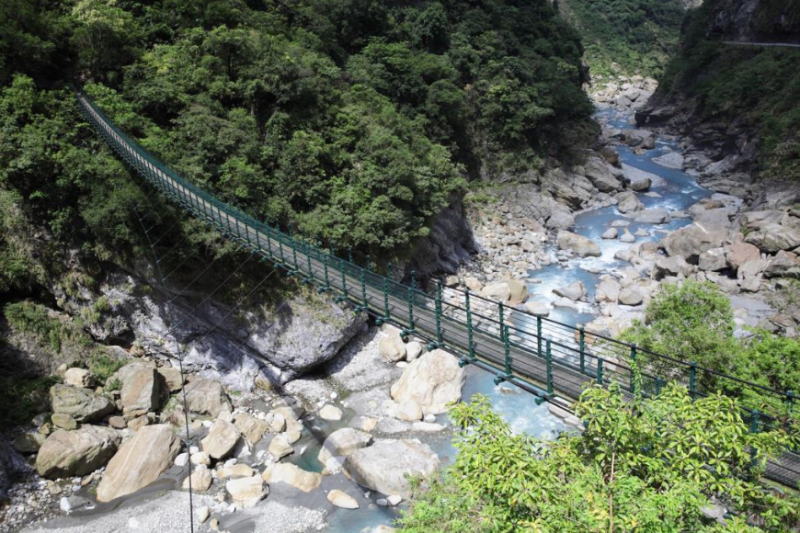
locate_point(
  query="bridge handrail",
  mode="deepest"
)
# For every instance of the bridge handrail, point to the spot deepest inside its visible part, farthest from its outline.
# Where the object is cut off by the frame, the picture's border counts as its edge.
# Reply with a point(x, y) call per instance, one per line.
point(606, 352)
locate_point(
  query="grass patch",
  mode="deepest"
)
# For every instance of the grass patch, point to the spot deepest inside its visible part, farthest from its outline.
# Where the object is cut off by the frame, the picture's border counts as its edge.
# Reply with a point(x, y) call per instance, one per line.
point(22, 399)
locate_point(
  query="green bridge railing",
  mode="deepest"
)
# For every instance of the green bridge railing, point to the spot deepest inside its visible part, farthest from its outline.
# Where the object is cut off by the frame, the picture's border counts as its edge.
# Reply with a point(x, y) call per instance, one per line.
point(541, 355)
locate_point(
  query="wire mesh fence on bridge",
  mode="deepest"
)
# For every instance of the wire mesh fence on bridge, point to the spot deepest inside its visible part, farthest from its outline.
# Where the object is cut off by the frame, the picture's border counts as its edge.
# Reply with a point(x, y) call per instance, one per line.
point(551, 357)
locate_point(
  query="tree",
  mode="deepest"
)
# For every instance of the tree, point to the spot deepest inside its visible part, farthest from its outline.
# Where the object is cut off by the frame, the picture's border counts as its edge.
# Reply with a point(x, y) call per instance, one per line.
point(644, 466)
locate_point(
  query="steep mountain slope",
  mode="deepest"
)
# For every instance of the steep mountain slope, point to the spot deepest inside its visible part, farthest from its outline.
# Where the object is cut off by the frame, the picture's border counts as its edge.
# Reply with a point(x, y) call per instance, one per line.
point(741, 102)
point(625, 37)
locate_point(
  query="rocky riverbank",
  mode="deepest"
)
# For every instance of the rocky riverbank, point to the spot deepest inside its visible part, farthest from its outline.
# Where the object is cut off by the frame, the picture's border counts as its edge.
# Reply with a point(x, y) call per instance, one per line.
point(335, 442)
point(600, 238)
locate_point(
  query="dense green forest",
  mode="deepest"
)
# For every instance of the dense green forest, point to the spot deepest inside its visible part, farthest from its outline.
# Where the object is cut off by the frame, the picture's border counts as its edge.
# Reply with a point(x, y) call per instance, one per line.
point(626, 36)
point(354, 121)
point(757, 88)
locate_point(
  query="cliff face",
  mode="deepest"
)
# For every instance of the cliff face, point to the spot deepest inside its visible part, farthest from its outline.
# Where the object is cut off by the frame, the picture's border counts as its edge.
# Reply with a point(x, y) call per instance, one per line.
point(739, 104)
point(755, 20)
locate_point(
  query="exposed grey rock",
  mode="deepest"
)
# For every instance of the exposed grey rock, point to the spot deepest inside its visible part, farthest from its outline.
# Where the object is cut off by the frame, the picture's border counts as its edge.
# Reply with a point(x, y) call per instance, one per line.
point(610, 233)
point(76, 453)
point(433, 381)
point(673, 266)
point(653, 216)
point(207, 397)
point(628, 202)
point(579, 244)
point(82, 404)
point(600, 174)
point(691, 241)
point(141, 386)
point(740, 253)
point(247, 491)
point(221, 439)
point(139, 462)
point(607, 290)
point(79, 377)
point(784, 264)
point(391, 345)
point(627, 237)
point(713, 260)
point(343, 442)
point(631, 295)
point(670, 160)
point(292, 475)
point(574, 291)
point(386, 465)
point(537, 308)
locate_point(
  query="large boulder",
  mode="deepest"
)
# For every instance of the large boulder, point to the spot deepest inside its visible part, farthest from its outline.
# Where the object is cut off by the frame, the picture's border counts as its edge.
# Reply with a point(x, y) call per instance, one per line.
point(672, 267)
point(518, 292)
point(631, 295)
point(582, 246)
point(653, 216)
point(221, 439)
point(713, 260)
point(691, 241)
point(342, 443)
point(607, 290)
point(76, 453)
point(82, 404)
point(600, 174)
point(433, 381)
point(574, 291)
point(207, 397)
point(391, 346)
point(250, 427)
point(740, 253)
point(784, 264)
point(139, 462)
point(141, 387)
point(247, 491)
point(79, 377)
point(772, 238)
point(628, 202)
point(500, 292)
point(387, 465)
point(641, 138)
point(292, 475)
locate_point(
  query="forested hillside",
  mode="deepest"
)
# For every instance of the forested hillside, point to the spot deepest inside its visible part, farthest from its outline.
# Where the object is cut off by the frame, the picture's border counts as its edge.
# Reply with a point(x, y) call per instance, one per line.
point(626, 37)
point(737, 88)
point(354, 121)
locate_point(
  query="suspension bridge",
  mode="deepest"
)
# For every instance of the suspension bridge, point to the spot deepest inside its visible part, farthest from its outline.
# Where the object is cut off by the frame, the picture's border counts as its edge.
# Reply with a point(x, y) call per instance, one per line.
point(544, 357)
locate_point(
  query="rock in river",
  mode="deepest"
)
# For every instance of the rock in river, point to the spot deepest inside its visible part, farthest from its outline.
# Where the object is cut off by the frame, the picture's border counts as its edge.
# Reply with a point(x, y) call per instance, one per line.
point(207, 397)
point(342, 443)
point(386, 465)
point(582, 246)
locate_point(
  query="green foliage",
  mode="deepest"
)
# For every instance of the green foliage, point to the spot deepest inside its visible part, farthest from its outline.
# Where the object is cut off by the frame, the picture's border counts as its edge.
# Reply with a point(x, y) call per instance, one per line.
point(639, 467)
point(103, 366)
point(755, 87)
point(626, 36)
point(694, 320)
point(22, 398)
point(51, 332)
point(354, 121)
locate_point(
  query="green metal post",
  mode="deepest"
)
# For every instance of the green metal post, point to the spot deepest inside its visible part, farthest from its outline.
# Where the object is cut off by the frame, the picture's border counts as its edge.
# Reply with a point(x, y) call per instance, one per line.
point(692, 379)
point(507, 350)
point(659, 386)
point(389, 270)
point(283, 255)
point(549, 361)
point(470, 345)
point(582, 346)
point(755, 420)
point(269, 244)
point(539, 336)
point(294, 254)
point(599, 371)
point(502, 321)
point(310, 277)
point(364, 302)
point(325, 268)
point(632, 383)
point(386, 299)
point(413, 279)
point(350, 254)
point(369, 263)
point(439, 313)
point(410, 309)
point(344, 278)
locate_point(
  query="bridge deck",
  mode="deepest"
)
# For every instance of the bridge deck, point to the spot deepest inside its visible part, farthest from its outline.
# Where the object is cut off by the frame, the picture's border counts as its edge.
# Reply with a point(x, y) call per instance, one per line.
point(549, 359)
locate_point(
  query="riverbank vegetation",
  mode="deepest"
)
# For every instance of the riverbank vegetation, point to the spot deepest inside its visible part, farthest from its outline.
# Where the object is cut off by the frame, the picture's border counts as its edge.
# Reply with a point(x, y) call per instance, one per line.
point(695, 321)
point(651, 465)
